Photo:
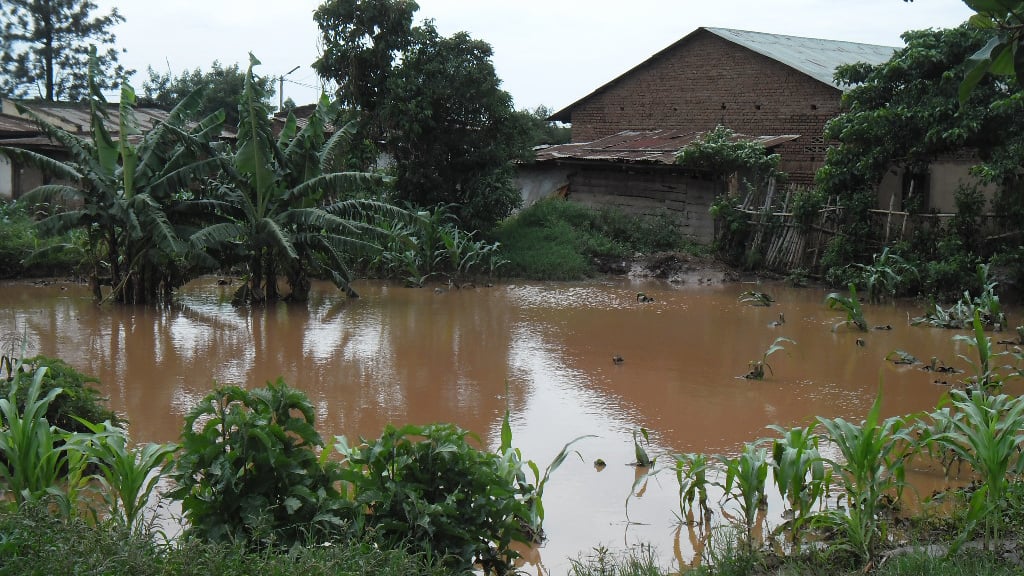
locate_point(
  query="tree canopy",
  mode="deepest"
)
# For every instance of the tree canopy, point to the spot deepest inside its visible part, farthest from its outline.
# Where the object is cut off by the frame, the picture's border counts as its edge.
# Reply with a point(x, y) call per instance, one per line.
point(906, 111)
point(1003, 54)
point(44, 49)
point(221, 85)
point(433, 103)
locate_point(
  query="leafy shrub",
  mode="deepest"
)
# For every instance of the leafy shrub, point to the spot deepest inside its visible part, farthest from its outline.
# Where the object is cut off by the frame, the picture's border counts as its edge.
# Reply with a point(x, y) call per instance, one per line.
point(249, 470)
point(78, 399)
point(732, 228)
point(806, 204)
point(555, 239)
point(25, 254)
point(429, 489)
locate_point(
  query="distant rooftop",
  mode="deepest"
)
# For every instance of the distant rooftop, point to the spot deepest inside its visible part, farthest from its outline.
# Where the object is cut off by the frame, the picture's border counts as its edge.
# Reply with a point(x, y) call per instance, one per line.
point(641, 146)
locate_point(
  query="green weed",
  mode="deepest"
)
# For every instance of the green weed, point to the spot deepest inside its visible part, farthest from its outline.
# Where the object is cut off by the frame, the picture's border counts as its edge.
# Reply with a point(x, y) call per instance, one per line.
point(850, 306)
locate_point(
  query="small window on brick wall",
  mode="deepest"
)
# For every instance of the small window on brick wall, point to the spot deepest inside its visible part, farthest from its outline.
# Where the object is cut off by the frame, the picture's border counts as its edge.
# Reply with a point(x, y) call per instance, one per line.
point(816, 147)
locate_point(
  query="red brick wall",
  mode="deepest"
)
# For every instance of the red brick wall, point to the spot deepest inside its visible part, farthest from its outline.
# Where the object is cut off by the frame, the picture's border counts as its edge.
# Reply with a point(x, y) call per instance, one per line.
point(707, 81)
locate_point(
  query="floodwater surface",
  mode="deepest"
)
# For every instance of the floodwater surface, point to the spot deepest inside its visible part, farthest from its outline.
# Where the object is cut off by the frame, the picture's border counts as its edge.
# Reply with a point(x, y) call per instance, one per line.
point(399, 355)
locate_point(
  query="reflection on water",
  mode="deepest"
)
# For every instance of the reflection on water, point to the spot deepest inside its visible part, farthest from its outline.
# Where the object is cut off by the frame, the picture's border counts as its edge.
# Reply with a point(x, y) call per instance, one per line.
point(401, 355)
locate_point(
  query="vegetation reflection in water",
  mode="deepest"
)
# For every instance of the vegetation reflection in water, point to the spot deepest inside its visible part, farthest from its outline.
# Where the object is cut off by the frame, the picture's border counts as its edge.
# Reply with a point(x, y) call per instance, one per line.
point(402, 355)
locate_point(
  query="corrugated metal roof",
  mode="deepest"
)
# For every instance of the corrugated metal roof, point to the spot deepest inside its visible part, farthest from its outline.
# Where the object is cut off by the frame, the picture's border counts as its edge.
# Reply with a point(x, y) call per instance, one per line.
point(12, 125)
point(815, 57)
point(634, 146)
point(76, 118)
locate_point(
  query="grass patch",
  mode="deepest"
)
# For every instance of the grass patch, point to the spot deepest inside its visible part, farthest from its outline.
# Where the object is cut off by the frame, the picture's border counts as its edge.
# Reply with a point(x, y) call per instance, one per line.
point(555, 239)
point(33, 542)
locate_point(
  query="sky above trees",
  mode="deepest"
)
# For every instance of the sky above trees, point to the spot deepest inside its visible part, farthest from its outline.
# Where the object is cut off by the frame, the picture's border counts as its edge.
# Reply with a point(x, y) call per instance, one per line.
point(546, 52)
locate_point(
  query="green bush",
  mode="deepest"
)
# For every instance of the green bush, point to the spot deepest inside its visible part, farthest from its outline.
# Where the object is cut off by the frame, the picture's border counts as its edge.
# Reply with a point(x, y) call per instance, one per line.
point(24, 254)
point(77, 399)
point(555, 239)
point(427, 488)
point(249, 470)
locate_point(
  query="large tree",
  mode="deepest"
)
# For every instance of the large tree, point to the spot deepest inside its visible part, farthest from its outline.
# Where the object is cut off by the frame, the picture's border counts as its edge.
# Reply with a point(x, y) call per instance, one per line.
point(44, 49)
point(361, 40)
point(221, 85)
point(452, 130)
point(906, 111)
point(434, 103)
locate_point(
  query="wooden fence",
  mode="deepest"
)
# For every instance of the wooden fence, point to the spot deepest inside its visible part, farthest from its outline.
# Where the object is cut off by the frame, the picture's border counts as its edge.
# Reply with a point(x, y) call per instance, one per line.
point(788, 244)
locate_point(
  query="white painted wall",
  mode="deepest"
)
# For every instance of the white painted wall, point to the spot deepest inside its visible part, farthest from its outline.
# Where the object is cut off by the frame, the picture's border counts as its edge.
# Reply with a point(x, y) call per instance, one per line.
point(6, 178)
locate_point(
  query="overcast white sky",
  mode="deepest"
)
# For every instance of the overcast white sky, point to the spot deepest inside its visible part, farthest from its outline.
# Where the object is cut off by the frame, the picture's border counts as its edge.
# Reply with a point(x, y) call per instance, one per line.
point(549, 52)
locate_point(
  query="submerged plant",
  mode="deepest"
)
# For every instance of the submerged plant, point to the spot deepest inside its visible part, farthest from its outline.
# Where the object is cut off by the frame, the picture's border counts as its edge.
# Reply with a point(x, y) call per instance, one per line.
point(886, 274)
point(642, 458)
point(747, 473)
point(872, 473)
point(985, 306)
point(692, 476)
point(850, 306)
point(985, 431)
point(756, 298)
point(800, 475)
point(987, 378)
point(757, 366)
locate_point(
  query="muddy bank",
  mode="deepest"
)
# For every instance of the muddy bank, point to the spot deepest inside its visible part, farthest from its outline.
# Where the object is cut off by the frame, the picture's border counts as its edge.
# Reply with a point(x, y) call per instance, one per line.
point(674, 267)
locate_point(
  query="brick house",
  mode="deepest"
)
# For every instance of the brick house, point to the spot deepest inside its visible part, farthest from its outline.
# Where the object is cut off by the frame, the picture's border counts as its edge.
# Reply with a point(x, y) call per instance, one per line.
point(752, 82)
point(777, 90)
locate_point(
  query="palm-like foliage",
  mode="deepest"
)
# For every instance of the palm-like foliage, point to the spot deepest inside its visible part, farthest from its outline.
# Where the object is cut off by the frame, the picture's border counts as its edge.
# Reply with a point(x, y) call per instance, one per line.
point(283, 209)
point(122, 191)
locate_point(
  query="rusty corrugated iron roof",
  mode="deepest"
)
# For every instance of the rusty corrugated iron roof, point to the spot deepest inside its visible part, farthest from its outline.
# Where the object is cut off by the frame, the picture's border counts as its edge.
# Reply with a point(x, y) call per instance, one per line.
point(641, 146)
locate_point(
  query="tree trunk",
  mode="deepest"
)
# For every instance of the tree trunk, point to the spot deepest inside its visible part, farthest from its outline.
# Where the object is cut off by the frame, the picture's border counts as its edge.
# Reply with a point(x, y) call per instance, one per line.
point(48, 17)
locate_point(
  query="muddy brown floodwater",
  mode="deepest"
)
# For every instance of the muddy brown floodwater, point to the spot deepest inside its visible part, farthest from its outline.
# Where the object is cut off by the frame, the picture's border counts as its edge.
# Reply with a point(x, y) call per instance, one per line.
point(400, 355)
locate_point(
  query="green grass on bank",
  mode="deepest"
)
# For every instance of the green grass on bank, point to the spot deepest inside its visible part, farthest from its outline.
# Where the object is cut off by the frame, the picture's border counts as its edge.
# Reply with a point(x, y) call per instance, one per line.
point(555, 239)
point(33, 542)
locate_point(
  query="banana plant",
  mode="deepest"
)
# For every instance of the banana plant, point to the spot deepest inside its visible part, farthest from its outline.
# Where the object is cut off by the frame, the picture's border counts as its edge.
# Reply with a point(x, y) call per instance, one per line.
point(125, 191)
point(283, 208)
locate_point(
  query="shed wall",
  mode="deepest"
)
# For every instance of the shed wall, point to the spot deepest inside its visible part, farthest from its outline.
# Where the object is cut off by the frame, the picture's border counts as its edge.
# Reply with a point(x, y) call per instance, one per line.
point(650, 193)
